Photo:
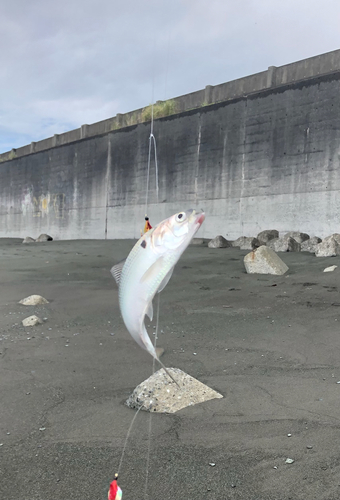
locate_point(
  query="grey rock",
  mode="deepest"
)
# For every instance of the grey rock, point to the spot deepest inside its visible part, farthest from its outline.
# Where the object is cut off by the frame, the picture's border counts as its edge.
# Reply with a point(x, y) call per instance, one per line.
point(285, 244)
point(248, 243)
point(28, 239)
point(199, 241)
point(264, 260)
point(299, 237)
point(31, 321)
point(267, 235)
point(44, 237)
point(329, 247)
point(160, 394)
point(334, 236)
point(238, 242)
point(310, 245)
point(219, 242)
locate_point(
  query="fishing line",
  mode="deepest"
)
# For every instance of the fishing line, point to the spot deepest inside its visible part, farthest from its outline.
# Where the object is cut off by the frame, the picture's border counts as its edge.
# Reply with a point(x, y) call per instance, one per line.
point(126, 439)
point(150, 416)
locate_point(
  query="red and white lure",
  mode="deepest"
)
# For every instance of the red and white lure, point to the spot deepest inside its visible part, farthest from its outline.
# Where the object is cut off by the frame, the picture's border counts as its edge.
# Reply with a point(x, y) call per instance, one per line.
point(115, 493)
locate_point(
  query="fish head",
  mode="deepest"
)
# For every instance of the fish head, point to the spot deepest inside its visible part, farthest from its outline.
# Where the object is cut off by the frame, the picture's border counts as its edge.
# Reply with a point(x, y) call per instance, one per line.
point(176, 232)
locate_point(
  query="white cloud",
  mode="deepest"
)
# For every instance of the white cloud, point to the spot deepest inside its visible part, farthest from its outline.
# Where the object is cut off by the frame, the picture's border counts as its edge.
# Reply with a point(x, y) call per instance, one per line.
point(72, 62)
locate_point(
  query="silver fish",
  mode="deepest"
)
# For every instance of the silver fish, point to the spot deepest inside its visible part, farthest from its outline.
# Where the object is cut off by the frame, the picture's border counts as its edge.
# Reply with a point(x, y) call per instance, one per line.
point(148, 269)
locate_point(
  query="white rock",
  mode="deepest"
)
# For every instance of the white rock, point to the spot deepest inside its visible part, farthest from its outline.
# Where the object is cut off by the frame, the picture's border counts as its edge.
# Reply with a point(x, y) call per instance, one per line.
point(290, 461)
point(31, 321)
point(33, 300)
point(329, 247)
point(219, 242)
point(329, 269)
point(264, 260)
point(28, 239)
point(160, 394)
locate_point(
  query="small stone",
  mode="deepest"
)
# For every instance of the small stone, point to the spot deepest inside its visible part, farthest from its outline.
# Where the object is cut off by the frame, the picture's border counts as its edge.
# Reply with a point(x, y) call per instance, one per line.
point(42, 428)
point(289, 435)
point(167, 397)
point(309, 447)
point(329, 269)
point(33, 300)
point(290, 461)
point(31, 321)
point(212, 464)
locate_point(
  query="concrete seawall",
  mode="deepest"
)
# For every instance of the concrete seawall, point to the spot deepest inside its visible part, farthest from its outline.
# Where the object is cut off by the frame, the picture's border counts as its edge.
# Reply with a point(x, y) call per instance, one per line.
point(259, 159)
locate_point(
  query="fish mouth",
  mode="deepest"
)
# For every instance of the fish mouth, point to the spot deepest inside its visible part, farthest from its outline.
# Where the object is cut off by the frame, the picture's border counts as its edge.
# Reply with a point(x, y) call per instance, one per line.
point(200, 218)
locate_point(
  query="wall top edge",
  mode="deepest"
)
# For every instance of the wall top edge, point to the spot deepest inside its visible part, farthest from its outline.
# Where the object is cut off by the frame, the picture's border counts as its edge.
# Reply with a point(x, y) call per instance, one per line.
point(273, 77)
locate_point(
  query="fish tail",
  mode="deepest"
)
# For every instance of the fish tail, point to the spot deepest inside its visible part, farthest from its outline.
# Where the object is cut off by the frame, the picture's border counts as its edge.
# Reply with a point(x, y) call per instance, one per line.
point(167, 372)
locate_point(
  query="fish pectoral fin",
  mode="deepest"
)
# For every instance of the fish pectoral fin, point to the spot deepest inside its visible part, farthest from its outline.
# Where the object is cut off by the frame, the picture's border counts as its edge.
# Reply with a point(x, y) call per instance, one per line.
point(149, 311)
point(165, 280)
point(153, 270)
point(116, 271)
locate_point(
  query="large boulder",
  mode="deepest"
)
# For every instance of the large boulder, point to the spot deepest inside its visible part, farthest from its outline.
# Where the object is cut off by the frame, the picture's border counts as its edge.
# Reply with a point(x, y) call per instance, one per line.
point(219, 242)
point(310, 245)
point(334, 236)
point(246, 243)
point(299, 237)
point(329, 247)
point(44, 237)
point(28, 239)
point(267, 235)
point(264, 260)
point(285, 244)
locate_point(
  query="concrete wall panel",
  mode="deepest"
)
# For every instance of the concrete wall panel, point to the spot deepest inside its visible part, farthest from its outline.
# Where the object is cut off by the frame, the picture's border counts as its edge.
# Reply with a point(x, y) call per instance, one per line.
point(267, 160)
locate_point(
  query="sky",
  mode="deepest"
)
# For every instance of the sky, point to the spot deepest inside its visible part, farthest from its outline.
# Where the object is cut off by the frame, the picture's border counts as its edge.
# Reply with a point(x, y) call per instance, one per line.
point(71, 62)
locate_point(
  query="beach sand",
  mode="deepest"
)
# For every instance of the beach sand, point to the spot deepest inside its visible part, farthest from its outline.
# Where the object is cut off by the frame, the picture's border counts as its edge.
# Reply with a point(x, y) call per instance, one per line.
point(269, 344)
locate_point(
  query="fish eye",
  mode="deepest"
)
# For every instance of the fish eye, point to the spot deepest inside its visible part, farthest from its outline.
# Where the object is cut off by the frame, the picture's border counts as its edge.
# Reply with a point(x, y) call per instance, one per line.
point(181, 217)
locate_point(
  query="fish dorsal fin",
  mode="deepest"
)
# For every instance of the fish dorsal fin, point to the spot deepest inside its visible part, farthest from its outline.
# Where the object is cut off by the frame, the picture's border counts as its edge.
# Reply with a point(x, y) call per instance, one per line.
point(116, 271)
point(151, 273)
point(165, 280)
point(149, 311)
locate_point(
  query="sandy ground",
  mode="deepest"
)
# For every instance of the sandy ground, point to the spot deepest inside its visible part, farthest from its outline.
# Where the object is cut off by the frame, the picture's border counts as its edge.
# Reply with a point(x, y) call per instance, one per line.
point(274, 353)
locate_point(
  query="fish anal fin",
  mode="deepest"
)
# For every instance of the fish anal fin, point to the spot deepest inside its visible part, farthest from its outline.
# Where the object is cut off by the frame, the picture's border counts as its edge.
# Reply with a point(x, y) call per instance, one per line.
point(165, 280)
point(116, 271)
